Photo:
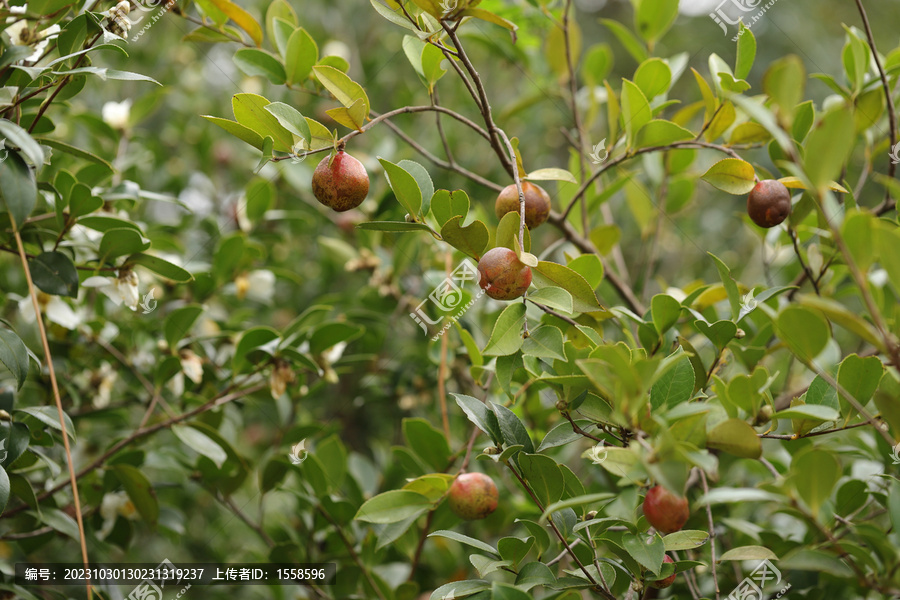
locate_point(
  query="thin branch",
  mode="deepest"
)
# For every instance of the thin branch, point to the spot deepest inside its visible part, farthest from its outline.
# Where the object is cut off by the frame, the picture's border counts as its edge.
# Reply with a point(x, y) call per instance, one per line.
point(353, 554)
point(809, 274)
point(550, 311)
point(48, 358)
point(712, 534)
point(775, 436)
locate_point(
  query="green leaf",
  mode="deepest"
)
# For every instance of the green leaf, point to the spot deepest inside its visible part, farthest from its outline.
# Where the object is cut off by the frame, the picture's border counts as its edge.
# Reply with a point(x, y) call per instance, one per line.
point(784, 82)
point(139, 491)
point(749, 553)
point(648, 552)
point(342, 87)
point(815, 412)
point(719, 333)
point(504, 591)
point(687, 539)
point(49, 415)
point(445, 205)
point(506, 336)
point(471, 239)
point(674, 387)
point(18, 137)
point(553, 297)
point(257, 338)
point(815, 471)
point(250, 111)
point(511, 427)
point(405, 187)
point(632, 45)
point(75, 151)
point(5, 489)
point(119, 242)
point(393, 226)
point(423, 179)
point(545, 342)
point(665, 311)
point(255, 62)
point(828, 147)
point(556, 275)
point(653, 76)
point(201, 443)
point(427, 442)
point(328, 334)
point(534, 574)
point(735, 437)
point(652, 18)
point(179, 322)
point(242, 132)
point(18, 190)
point(55, 274)
point(635, 111)
point(161, 267)
point(464, 539)
point(543, 476)
point(731, 288)
point(804, 331)
point(840, 315)
point(14, 355)
point(290, 118)
point(300, 57)
point(482, 416)
point(746, 52)
point(551, 174)
point(578, 501)
point(393, 506)
point(860, 377)
point(661, 133)
point(731, 175)
point(490, 17)
point(460, 589)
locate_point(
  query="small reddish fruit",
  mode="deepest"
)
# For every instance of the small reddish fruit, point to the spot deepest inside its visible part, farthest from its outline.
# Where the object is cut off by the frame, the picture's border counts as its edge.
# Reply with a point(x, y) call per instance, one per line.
point(769, 203)
point(341, 185)
point(664, 583)
point(537, 203)
point(667, 512)
point(473, 496)
point(503, 276)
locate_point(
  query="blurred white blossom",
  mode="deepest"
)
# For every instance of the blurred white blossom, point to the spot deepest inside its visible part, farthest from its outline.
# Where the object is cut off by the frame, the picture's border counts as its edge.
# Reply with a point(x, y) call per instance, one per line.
point(54, 308)
point(121, 290)
point(117, 114)
point(23, 35)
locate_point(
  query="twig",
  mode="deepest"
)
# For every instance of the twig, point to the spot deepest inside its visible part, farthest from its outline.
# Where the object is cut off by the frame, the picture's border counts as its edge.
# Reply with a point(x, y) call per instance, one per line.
point(712, 534)
point(806, 269)
point(353, 554)
point(550, 311)
point(775, 436)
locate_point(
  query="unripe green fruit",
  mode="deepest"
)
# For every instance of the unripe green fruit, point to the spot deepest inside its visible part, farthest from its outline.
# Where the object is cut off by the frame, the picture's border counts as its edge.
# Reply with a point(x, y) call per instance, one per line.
point(473, 496)
point(537, 203)
point(343, 184)
point(664, 583)
point(667, 512)
point(769, 203)
point(503, 277)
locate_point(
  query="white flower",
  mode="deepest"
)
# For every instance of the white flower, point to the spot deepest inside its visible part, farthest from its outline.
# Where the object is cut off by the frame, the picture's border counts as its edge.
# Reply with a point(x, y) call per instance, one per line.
point(22, 35)
point(116, 114)
point(337, 48)
point(333, 354)
point(123, 289)
point(261, 286)
point(54, 308)
point(192, 366)
point(113, 505)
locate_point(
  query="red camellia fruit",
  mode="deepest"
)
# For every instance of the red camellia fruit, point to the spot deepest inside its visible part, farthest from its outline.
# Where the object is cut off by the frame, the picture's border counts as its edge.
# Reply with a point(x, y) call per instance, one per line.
point(473, 496)
point(341, 185)
point(769, 203)
point(664, 583)
point(667, 512)
point(537, 203)
point(503, 276)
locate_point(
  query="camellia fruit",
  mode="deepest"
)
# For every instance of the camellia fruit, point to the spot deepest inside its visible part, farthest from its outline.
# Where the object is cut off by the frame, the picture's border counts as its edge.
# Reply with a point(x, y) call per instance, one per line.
point(537, 203)
point(664, 583)
point(667, 512)
point(769, 203)
point(473, 496)
point(340, 184)
point(503, 276)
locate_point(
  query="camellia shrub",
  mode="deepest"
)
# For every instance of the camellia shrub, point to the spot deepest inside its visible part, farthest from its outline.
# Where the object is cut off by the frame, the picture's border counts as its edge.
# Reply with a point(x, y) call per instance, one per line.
point(665, 364)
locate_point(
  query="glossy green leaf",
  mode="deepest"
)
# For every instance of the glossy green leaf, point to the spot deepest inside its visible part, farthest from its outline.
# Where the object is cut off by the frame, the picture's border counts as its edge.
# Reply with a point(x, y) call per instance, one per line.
point(18, 190)
point(731, 175)
point(393, 506)
point(735, 437)
point(301, 55)
point(139, 491)
point(54, 273)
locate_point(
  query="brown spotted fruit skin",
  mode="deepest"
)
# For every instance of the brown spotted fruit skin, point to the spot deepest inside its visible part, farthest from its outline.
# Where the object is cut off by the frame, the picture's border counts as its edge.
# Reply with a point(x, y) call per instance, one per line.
point(473, 496)
point(503, 277)
point(667, 512)
point(342, 185)
point(662, 584)
point(537, 203)
point(769, 203)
